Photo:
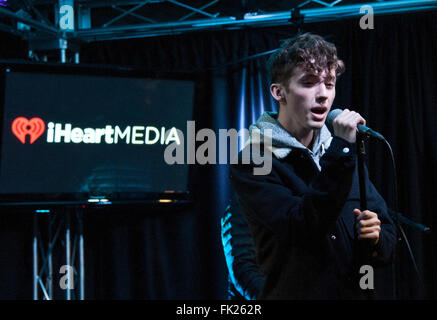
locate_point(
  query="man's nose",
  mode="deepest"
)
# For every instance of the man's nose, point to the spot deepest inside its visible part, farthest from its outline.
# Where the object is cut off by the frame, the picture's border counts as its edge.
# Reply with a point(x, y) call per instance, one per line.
point(322, 93)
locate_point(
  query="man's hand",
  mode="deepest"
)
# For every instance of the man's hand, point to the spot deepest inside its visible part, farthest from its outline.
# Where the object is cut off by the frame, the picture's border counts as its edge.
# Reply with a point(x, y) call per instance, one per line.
point(367, 225)
point(345, 125)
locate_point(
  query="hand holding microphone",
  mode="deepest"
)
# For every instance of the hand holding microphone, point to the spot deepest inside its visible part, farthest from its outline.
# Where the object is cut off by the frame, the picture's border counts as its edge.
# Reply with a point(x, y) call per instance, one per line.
point(345, 124)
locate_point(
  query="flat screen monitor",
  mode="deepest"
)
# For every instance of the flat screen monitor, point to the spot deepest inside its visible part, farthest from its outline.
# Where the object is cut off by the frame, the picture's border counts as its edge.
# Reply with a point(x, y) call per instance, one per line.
point(70, 133)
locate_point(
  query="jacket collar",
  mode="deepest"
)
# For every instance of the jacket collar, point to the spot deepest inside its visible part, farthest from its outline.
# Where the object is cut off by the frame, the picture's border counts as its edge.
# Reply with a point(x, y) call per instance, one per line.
point(282, 141)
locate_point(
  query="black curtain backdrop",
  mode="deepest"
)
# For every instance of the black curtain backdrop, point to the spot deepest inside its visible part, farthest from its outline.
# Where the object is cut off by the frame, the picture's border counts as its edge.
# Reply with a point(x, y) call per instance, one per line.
point(175, 252)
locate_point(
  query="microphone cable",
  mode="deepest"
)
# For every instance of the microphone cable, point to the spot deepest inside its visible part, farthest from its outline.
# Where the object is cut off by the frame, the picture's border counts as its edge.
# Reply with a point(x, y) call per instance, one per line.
point(396, 220)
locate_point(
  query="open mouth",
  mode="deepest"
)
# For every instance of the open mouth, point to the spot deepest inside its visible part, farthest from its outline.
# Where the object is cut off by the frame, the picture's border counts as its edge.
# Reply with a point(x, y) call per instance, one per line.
point(319, 110)
point(318, 113)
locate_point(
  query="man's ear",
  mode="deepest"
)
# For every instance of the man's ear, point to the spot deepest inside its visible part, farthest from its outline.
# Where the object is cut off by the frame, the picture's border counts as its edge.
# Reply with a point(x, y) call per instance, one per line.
point(276, 91)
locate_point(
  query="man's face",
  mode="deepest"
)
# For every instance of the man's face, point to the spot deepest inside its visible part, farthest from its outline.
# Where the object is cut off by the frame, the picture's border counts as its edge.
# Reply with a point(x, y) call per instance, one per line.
point(308, 98)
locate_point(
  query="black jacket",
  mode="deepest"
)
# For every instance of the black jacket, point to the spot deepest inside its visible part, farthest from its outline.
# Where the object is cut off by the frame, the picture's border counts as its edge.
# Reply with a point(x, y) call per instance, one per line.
point(302, 222)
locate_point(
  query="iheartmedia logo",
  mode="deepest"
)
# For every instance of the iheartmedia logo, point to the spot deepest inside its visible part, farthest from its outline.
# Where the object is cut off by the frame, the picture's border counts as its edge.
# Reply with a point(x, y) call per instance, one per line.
point(65, 133)
point(21, 127)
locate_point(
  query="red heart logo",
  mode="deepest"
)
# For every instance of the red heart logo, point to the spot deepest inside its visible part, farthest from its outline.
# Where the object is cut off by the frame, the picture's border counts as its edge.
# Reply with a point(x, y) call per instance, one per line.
point(33, 127)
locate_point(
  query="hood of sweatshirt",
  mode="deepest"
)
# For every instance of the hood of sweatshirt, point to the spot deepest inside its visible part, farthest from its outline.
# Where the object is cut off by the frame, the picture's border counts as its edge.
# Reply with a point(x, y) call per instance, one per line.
point(283, 142)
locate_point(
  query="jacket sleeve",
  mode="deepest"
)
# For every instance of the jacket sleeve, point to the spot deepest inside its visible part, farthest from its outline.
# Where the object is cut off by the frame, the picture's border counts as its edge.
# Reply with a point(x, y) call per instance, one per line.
point(268, 200)
point(240, 254)
point(384, 250)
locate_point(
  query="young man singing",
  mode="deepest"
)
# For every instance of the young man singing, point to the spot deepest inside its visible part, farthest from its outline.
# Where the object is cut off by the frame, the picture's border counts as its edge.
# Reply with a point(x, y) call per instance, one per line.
point(310, 236)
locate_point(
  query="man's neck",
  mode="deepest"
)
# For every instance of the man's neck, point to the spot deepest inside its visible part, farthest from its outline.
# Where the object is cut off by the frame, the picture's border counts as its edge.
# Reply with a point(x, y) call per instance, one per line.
point(304, 136)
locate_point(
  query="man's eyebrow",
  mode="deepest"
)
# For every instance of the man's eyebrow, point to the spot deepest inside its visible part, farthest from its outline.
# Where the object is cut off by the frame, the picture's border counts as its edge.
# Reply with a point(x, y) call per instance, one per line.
point(330, 78)
point(315, 76)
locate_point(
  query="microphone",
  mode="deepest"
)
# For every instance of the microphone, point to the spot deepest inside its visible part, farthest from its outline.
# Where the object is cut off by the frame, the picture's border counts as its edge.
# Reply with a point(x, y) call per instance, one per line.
point(360, 128)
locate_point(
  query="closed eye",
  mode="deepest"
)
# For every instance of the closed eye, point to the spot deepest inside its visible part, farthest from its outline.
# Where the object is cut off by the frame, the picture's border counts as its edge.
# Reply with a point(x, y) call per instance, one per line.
point(309, 83)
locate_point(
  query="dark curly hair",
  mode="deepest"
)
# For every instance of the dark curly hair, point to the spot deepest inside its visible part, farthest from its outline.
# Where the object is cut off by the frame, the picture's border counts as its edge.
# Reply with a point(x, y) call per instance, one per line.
point(308, 51)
